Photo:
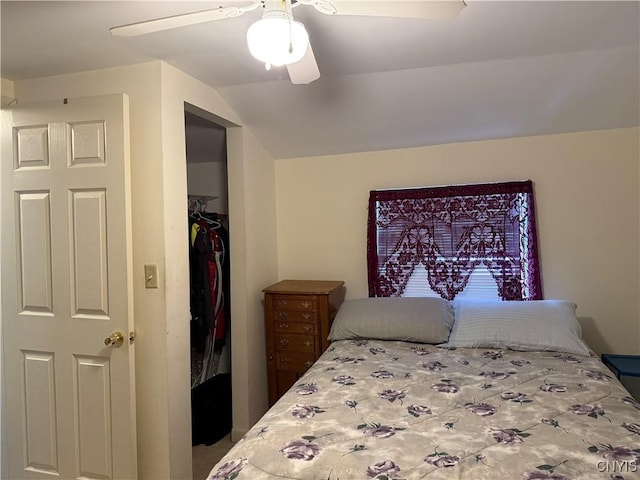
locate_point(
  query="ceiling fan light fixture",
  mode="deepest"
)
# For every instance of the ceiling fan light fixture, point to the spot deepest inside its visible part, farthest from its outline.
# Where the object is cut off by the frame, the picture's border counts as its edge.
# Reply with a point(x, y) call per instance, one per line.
point(277, 40)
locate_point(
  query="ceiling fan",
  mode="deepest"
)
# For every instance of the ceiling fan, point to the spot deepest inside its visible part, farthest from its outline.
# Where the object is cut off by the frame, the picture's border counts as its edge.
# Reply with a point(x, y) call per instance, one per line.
point(276, 39)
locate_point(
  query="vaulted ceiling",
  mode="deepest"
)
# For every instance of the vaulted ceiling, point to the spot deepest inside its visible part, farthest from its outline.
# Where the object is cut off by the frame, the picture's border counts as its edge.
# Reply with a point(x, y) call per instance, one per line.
point(499, 69)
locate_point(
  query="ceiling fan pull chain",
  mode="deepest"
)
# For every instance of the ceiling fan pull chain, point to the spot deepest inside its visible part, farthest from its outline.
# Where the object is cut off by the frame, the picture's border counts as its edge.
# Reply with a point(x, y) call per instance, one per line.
point(290, 36)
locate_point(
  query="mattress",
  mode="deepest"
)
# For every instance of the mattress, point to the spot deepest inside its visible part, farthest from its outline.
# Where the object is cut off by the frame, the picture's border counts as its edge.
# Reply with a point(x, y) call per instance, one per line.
point(384, 409)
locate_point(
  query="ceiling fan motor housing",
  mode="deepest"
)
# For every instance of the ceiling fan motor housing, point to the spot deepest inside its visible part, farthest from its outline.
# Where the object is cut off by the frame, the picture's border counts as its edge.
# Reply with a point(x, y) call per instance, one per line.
point(277, 9)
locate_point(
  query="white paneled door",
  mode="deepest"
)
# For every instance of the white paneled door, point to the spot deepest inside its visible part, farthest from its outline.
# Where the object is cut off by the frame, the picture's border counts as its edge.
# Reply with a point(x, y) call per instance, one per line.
point(67, 311)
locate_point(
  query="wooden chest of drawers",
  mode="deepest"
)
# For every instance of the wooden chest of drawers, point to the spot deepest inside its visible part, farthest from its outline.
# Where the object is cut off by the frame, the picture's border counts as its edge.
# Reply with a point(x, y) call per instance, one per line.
point(298, 316)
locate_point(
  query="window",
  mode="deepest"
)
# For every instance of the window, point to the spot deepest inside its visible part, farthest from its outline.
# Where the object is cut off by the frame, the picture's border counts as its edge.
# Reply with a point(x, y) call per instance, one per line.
point(456, 241)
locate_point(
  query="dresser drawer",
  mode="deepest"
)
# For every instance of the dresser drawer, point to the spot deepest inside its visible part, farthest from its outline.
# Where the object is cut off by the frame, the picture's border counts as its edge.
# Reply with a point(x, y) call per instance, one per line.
point(295, 343)
point(294, 316)
point(295, 302)
point(285, 326)
point(294, 362)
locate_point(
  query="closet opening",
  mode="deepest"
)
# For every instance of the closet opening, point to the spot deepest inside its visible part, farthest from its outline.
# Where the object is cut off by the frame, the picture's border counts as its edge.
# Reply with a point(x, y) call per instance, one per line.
point(209, 267)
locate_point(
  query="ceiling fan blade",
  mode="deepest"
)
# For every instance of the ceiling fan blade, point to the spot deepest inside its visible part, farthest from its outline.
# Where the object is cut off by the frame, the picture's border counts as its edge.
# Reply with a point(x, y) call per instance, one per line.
point(306, 70)
point(175, 21)
point(433, 9)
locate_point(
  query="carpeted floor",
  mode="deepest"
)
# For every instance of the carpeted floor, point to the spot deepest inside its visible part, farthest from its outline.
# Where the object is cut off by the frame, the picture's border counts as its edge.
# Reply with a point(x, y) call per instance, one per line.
point(204, 458)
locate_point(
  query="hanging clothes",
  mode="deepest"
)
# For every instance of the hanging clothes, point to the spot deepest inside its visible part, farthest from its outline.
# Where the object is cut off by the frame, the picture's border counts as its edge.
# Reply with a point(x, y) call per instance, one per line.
point(209, 293)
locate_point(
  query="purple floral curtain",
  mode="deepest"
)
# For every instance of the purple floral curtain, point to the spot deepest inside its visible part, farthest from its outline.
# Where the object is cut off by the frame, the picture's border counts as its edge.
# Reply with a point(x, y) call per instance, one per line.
point(452, 230)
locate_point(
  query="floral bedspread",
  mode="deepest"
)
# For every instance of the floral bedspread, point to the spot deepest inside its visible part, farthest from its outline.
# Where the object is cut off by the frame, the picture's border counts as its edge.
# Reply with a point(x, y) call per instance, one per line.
point(388, 410)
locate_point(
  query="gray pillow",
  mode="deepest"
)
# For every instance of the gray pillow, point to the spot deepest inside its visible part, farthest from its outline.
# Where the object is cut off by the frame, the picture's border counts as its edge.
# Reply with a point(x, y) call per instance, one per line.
point(411, 319)
point(535, 325)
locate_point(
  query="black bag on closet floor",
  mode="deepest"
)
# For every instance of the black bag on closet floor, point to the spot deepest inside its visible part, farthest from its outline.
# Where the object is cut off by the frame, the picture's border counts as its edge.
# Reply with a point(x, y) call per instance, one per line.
point(211, 410)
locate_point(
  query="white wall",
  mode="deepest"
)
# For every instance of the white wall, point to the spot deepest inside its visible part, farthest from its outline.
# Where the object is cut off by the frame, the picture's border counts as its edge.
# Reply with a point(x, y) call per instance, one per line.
point(587, 197)
point(251, 187)
point(7, 94)
point(157, 93)
point(209, 178)
point(261, 265)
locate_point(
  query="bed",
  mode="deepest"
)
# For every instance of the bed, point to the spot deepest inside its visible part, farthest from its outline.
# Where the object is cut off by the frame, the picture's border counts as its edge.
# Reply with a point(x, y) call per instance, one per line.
point(421, 388)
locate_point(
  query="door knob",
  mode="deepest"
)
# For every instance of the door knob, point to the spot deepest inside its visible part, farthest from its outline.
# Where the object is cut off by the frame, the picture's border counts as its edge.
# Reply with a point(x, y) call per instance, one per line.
point(114, 340)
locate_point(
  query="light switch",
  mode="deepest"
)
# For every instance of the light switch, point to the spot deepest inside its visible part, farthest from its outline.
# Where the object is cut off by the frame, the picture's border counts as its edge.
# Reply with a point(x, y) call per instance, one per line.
point(151, 275)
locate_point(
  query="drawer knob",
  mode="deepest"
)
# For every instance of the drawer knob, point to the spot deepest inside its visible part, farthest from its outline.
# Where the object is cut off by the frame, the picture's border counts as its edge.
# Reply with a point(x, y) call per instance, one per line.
point(306, 328)
point(285, 360)
point(284, 325)
point(308, 343)
point(282, 315)
point(282, 303)
point(284, 342)
point(308, 363)
point(306, 304)
point(306, 316)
